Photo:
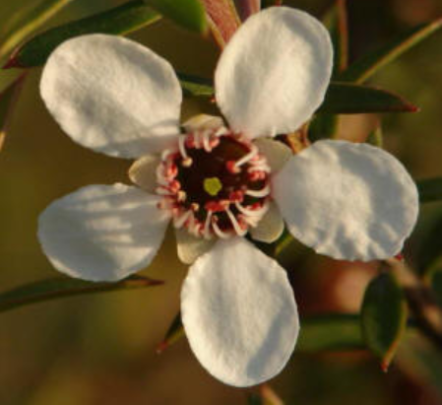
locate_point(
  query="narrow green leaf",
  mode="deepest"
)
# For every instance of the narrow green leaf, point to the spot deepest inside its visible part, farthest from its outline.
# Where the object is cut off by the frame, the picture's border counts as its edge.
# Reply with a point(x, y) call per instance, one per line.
point(376, 138)
point(173, 334)
point(8, 98)
point(383, 317)
point(336, 21)
point(346, 98)
point(121, 20)
point(27, 21)
point(188, 13)
point(50, 289)
point(368, 65)
point(430, 190)
point(195, 86)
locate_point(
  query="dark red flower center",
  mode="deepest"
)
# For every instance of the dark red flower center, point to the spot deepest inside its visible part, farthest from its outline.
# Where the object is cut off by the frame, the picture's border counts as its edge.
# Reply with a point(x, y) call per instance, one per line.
point(215, 183)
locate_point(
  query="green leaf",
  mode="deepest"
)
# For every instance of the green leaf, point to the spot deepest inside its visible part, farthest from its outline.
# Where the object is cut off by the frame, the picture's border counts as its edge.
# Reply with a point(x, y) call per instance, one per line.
point(188, 13)
point(53, 288)
point(330, 332)
point(121, 20)
point(383, 317)
point(336, 21)
point(28, 20)
point(8, 98)
point(368, 65)
point(430, 190)
point(195, 86)
point(346, 98)
point(173, 334)
point(435, 280)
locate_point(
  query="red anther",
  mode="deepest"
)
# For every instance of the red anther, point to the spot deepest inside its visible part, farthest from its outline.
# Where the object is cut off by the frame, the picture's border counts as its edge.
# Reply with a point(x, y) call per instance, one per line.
point(216, 206)
point(399, 257)
point(255, 206)
point(194, 207)
point(174, 186)
point(231, 167)
point(214, 142)
point(236, 196)
point(171, 171)
point(257, 175)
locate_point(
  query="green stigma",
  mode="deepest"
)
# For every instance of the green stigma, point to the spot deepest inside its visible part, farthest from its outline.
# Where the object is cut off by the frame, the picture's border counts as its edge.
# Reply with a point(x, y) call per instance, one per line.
point(212, 186)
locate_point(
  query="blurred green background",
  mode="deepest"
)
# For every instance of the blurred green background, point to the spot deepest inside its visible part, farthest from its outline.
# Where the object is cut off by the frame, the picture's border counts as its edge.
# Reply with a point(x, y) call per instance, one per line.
point(101, 349)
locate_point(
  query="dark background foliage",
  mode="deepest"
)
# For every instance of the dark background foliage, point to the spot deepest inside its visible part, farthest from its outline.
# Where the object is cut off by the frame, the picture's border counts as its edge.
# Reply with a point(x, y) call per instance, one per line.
point(101, 349)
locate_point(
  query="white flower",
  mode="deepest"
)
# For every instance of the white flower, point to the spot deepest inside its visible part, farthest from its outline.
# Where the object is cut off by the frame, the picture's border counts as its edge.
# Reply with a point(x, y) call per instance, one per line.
point(348, 201)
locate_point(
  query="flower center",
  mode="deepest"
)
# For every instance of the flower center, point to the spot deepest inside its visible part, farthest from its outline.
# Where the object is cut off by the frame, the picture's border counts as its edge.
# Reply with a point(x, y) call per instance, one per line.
point(215, 183)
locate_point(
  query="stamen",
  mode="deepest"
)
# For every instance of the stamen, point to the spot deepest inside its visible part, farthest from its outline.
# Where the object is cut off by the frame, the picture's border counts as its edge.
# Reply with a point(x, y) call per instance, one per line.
point(179, 221)
point(221, 131)
point(232, 167)
point(259, 193)
point(253, 152)
point(187, 162)
point(182, 146)
point(240, 231)
point(255, 212)
point(206, 231)
point(181, 196)
point(206, 141)
point(221, 234)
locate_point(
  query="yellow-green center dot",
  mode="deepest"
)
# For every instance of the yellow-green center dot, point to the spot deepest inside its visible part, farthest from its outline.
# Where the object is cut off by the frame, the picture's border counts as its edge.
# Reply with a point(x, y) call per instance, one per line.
point(212, 186)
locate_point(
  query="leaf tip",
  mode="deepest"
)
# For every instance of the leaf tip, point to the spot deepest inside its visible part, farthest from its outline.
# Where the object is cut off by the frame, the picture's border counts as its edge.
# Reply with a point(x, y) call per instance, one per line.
point(12, 62)
point(161, 347)
point(385, 366)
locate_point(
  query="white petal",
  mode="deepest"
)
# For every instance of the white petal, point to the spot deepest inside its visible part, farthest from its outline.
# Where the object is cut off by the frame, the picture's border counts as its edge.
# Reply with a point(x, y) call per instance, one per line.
point(274, 72)
point(270, 227)
point(346, 200)
point(239, 313)
point(112, 95)
point(189, 247)
point(203, 121)
point(276, 153)
point(143, 172)
point(102, 233)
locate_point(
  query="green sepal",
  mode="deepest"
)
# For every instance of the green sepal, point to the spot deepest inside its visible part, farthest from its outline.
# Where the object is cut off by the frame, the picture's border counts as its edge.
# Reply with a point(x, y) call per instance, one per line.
point(189, 14)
